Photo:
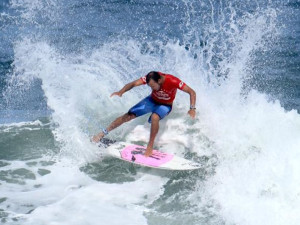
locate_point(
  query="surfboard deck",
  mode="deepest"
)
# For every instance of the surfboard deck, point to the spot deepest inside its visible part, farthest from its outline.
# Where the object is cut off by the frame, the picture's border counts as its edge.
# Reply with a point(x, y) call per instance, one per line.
point(160, 160)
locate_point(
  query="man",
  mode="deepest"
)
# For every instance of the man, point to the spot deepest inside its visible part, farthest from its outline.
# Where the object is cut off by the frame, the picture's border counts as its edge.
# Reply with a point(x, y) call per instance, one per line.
point(164, 88)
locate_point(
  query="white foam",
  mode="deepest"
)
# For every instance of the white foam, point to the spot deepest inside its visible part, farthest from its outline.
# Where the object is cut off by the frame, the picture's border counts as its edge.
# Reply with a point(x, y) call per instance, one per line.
point(256, 140)
point(69, 196)
point(23, 124)
point(101, 203)
point(258, 150)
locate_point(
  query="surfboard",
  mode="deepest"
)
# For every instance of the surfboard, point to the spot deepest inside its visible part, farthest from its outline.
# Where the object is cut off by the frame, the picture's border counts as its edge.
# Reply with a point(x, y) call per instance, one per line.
point(160, 160)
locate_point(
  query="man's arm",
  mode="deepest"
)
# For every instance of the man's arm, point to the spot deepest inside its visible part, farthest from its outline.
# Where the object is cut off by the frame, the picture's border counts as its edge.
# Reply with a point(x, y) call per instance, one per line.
point(192, 93)
point(127, 87)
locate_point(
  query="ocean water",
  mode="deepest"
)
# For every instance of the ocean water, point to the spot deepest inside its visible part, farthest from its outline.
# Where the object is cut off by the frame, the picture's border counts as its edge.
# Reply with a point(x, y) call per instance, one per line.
point(61, 60)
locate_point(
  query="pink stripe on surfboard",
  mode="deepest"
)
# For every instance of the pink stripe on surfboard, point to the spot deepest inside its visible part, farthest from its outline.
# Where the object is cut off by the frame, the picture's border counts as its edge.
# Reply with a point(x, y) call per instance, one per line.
point(135, 153)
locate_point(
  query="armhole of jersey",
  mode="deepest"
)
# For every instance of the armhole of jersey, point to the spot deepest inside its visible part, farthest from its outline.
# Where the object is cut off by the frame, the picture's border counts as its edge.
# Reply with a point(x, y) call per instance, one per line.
point(144, 79)
point(181, 85)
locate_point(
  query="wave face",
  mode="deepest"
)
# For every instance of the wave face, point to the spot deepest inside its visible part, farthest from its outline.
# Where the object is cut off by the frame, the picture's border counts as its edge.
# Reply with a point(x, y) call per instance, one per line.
point(61, 60)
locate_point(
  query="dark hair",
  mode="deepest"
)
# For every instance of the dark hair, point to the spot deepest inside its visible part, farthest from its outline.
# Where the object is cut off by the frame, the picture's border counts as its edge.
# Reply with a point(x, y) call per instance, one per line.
point(153, 75)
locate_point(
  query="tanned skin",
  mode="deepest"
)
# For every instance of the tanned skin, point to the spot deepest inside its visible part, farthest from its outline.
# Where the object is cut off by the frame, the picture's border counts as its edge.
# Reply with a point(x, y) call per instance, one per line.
point(154, 117)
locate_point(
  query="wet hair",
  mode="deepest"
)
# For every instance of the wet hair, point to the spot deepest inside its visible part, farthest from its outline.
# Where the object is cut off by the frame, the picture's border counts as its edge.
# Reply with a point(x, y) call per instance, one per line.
point(153, 75)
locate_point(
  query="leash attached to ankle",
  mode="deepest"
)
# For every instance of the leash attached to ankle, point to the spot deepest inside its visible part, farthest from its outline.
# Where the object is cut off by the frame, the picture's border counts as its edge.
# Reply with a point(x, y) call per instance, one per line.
point(105, 132)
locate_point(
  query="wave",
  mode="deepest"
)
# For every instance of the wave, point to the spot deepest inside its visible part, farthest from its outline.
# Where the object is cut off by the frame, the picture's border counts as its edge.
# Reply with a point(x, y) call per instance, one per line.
point(249, 140)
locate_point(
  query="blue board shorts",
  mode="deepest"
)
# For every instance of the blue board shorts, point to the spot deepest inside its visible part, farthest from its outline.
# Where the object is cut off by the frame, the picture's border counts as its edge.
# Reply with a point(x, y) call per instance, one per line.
point(148, 105)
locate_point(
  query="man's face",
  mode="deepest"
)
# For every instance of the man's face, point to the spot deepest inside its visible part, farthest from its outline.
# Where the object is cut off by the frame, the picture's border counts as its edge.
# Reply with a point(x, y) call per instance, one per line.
point(154, 86)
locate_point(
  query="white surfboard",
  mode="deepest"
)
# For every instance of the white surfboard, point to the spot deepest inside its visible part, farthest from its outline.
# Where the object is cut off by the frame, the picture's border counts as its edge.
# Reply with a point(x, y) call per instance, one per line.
point(135, 154)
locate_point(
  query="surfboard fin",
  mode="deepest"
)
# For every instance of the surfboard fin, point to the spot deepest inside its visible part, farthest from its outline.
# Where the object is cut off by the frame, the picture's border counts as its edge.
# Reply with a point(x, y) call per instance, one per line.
point(133, 158)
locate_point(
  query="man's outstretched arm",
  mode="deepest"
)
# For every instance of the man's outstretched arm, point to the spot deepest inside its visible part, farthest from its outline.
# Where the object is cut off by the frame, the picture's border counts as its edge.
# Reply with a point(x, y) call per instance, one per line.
point(192, 93)
point(127, 87)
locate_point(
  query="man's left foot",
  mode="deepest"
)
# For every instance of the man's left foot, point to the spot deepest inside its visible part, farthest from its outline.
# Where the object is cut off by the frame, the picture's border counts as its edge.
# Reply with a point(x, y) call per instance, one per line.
point(148, 152)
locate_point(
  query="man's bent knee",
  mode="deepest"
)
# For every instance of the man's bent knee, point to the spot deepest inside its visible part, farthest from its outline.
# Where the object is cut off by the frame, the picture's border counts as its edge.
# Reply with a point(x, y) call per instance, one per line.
point(155, 117)
point(128, 116)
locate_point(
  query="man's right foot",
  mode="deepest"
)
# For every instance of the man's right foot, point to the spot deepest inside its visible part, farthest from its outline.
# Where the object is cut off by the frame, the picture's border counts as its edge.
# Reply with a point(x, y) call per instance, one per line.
point(98, 137)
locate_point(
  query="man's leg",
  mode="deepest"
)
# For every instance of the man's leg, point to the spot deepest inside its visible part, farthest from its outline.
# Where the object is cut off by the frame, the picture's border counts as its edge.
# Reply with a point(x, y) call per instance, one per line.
point(117, 122)
point(154, 130)
point(141, 108)
point(160, 112)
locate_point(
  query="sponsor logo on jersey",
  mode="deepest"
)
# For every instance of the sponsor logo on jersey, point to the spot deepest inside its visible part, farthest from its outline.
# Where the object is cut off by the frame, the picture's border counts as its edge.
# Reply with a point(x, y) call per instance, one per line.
point(162, 95)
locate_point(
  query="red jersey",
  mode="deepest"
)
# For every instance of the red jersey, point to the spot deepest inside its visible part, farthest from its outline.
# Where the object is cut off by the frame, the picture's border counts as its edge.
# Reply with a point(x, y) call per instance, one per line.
point(167, 92)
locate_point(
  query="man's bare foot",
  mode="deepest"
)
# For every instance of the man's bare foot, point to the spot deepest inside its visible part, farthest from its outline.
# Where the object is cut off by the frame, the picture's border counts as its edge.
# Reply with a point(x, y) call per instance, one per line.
point(98, 137)
point(148, 151)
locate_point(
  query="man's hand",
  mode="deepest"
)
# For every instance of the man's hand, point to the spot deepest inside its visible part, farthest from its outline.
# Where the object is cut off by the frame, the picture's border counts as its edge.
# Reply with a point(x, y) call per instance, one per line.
point(148, 151)
point(192, 113)
point(119, 93)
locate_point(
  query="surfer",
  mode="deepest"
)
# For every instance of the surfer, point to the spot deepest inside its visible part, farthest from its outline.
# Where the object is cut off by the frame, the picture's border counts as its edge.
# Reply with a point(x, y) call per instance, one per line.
point(159, 103)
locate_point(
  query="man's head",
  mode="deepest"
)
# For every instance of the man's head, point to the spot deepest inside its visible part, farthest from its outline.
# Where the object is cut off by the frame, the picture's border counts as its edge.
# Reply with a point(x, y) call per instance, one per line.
point(154, 80)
